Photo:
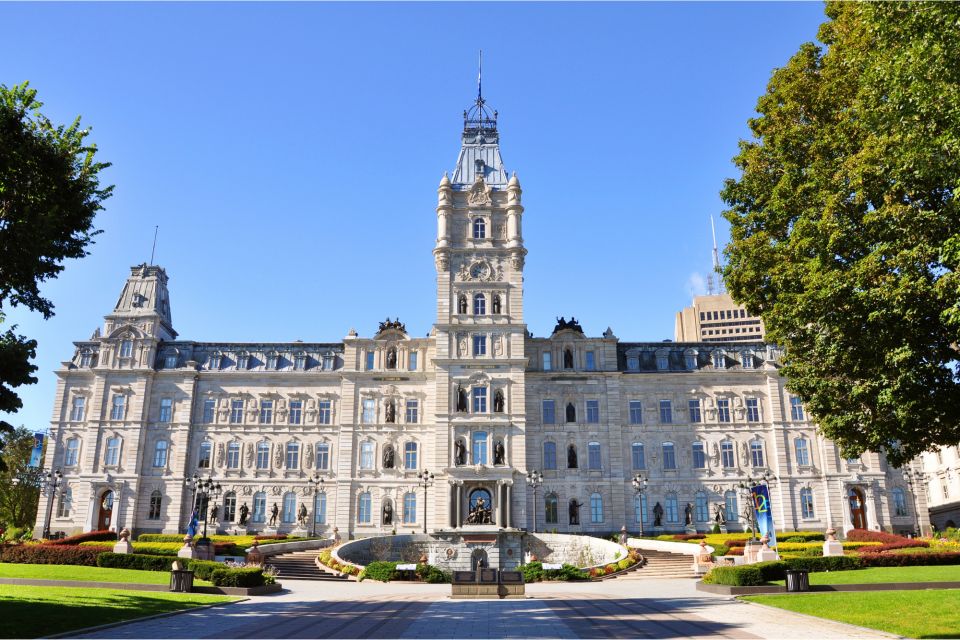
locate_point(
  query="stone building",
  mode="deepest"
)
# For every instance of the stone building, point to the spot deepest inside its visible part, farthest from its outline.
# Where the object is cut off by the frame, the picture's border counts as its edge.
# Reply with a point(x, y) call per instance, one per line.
point(941, 481)
point(717, 318)
point(345, 429)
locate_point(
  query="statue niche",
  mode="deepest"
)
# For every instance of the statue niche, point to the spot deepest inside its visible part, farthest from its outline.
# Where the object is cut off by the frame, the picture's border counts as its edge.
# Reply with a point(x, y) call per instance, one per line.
point(461, 399)
point(460, 453)
point(498, 401)
point(392, 358)
point(571, 412)
point(480, 508)
point(461, 303)
point(390, 414)
point(572, 457)
point(574, 511)
point(387, 513)
point(388, 456)
point(496, 304)
point(567, 359)
point(499, 454)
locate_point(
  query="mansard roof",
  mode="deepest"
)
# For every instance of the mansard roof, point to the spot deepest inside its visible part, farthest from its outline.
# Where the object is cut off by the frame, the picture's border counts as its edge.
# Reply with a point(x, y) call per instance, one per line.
point(480, 150)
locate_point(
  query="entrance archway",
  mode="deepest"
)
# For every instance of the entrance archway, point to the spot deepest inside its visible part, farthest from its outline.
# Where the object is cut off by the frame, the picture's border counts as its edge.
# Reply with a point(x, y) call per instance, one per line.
point(478, 559)
point(105, 514)
point(480, 507)
point(858, 508)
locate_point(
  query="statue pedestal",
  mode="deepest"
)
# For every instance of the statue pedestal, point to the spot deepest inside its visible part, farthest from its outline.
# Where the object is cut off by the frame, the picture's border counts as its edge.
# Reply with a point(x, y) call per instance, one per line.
point(751, 551)
point(723, 529)
point(656, 531)
point(766, 554)
point(690, 529)
point(123, 546)
point(832, 548)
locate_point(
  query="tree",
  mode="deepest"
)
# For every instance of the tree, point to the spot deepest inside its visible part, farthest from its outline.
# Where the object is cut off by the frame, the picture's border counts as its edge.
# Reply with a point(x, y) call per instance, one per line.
point(19, 483)
point(845, 225)
point(49, 194)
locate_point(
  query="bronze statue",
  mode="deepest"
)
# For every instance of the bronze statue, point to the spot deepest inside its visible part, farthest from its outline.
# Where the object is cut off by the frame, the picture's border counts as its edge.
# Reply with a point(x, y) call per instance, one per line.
point(571, 412)
point(567, 359)
point(688, 514)
point(498, 452)
point(244, 513)
point(302, 515)
point(480, 514)
point(718, 517)
point(461, 399)
point(498, 401)
point(459, 453)
point(391, 358)
point(388, 456)
point(274, 511)
point(572, 457)
point(387, 513)
point(574, 511)
point(496, 304)
point(391, 412)
point(657, 515)
point(462, 304)
point(215, 513)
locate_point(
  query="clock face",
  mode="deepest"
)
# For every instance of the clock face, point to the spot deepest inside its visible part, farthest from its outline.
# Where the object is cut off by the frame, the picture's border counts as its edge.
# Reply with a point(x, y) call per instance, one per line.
point(479, 270)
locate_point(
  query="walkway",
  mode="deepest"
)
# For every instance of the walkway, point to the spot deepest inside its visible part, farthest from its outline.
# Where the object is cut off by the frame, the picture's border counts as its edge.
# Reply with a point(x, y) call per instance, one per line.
point(609, 609)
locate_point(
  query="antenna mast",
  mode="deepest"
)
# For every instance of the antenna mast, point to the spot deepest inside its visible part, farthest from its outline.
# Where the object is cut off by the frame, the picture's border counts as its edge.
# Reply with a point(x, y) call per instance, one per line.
point(716, 261)
point(153, 250)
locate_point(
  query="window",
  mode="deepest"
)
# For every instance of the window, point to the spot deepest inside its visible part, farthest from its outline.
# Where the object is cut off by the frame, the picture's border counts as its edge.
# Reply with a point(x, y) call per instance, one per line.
point(410, 455)
point(549, 455)
point(259, 507)
point(550, 511)
point(723, 410)
point(369, 410)
point(117, 410)
point(479, 229)
point(479, 345)
point(663, 362)
point(571, 412)
point(236, 411)
point(206, 453)
point(693, 408)
point(366, 455)
point(479, 399)
point(263, 455)
point(479, 449)
point(719, 360)
point(272, 361)
point(320, 508)
point(727, 457)
point(596, 507)
point(86, 358)
point(160, 454)
point(699, 456)
point(753, 410)
point(289, 513)
point(730, 506)
point(73, 452)
point(899, 502)
point(170, 361)
point(633, 363)
point(590, 361)
point(746, 358)
point(233, 455)
point(363, 508)
point(672, 508)
point(803, 452)
point(266, 412)
point(669, 456)
point(796, 408)
point(636, 412)
point(214, 362)
point(293, 455)
point(156, 499)
point(323, 456)
point(593, 411)
point(166, 409)
point(76, 412)
point(637, 454)
point(243, 361)
point(806, 503)
point(549, 412)
point(296, 412)
point(126, 348)
point(593, 456)
point(209, 407)
point(409, 508)
point(370, 356)
point(412, 410)
point(666, 412)
point(112, 455)
point(299, 362)
point(640, 508)
point(326, 412)
point(66, 503)
point(230, 507)
point(412, 360)
point(701, 511)
point(690, 360)
point(756, 453)
point(547, 364)
point(479, 304)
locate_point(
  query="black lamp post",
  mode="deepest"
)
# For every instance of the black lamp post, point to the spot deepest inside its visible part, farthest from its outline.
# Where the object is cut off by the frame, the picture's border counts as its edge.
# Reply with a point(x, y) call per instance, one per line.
point(639, 485)
point(535, 479)
point(315, 481)
point(746, 487)
point(51, 484)
point(207, 488)
point(425, 480)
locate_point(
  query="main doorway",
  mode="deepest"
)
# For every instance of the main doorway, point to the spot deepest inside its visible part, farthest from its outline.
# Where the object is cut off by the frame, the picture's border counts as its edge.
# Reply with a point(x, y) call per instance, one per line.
point(858, 509)
point(105, 514)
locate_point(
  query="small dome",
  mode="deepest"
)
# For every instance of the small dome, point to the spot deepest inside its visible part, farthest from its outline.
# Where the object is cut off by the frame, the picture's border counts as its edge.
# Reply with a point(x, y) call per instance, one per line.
point(513, 181)
point(445, 182)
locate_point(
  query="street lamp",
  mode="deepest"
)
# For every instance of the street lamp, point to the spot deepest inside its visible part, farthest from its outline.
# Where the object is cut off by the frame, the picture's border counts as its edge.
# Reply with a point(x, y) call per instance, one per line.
point(315, 481)
point(639, 485)
point(746, 488)
point(51, 484)
point(206, 488)
point(915, 478)
point(425, 480)
point(535, 479)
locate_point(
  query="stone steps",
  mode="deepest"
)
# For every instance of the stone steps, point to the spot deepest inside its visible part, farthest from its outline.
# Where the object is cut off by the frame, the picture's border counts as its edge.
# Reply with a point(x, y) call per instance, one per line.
point(662, 565)
point(301, 565)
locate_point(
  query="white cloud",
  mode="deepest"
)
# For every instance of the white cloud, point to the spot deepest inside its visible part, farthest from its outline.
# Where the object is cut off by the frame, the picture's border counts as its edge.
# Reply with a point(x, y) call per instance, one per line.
point(696, 284)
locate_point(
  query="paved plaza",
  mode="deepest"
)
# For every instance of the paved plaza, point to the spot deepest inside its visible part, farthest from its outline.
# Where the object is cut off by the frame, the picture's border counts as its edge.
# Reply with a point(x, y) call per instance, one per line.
point(610, 609)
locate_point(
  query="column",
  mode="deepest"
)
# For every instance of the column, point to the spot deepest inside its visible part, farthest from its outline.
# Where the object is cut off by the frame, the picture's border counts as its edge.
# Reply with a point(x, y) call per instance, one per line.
point(508, 495)
point(454, 503)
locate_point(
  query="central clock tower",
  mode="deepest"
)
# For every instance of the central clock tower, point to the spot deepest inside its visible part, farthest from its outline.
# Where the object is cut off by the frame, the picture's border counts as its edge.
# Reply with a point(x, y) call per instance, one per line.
point(480, 335)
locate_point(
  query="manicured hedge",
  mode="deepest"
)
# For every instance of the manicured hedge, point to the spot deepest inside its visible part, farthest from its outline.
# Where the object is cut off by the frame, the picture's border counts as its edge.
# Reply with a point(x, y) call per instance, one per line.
point(142, 562)
point(762, 572)
point(866, 535)
point(381, 571)
point(906, 544)
point(228, 577)
point(50, 554)
point(909, 559)
point(90, 536)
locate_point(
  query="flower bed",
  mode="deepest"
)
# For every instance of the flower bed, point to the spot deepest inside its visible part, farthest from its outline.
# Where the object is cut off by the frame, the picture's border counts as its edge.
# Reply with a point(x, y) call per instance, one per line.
point(385, 571)
point(749, 575)
point(171, 548)
point(51, 554)
point(90, 536)
point(326, 559)
point(908, 559)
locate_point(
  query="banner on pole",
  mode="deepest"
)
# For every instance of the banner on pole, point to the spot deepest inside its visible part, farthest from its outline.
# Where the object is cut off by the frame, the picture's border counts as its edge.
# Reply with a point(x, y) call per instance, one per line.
point(36, 455)
point(764, 512)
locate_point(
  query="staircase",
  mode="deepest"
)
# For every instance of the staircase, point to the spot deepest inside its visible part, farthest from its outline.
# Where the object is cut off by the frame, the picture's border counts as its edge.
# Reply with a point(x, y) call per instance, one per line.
point(302, 565)
point(662, 565)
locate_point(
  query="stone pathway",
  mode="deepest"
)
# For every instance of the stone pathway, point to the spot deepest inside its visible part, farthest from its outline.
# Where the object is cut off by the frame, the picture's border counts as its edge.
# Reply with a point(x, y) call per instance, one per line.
point(635, 609)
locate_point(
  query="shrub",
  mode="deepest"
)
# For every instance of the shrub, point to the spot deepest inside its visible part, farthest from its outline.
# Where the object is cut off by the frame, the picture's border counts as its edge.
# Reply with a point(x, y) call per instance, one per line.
point(624, 564)
point(865, 535)
point(743, 576)
point(159, 537)
point(908, 559)
point(227, 577)
point(202, 569)
point(135, 561)
point(271, 536)
point(828, 563)
point(736, 542)
point(610, 568)
point(432, 574)
point(50, 554)
point(715, 529)
point(91, 536)
point(382, 571)
point(907, 544)
point(689, 536)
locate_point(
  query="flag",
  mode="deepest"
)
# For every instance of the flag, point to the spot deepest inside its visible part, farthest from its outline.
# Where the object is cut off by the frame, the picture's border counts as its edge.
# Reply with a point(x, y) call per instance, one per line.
point(194, 524)
point(764, 512)
point(36, 455)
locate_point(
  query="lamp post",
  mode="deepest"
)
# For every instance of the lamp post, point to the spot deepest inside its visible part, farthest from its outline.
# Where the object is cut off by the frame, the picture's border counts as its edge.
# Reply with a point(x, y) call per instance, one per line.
point(51, 484)
point(639, 485)
point(315, 481)
point(914, 479)
point(746, 488)
point(192, 484)
point(207, 488)
point(425, 480)
point(535, 479)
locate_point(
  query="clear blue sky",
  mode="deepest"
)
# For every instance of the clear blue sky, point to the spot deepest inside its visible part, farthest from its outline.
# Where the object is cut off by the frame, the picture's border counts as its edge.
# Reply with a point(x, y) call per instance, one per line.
point(291, 152)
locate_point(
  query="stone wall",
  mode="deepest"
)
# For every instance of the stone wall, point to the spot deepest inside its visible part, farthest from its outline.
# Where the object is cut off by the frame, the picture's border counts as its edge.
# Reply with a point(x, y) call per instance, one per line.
point(580, 551)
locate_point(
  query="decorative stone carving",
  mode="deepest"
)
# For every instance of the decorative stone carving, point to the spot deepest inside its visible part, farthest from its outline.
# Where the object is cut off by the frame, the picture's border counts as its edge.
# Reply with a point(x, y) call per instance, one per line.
point(278, 457)
point(479, 194)
point(220, 454)
point(308, 463)
point(442, 261)
point(250, 452)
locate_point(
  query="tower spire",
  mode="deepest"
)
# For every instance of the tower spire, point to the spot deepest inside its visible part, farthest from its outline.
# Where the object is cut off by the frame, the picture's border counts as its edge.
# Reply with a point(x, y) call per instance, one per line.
point(480, 79)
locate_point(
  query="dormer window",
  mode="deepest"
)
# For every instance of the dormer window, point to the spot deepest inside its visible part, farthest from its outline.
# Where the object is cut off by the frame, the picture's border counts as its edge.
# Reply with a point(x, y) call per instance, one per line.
point(328, 362)
point(86, 358)
point(633, 363)
point(126, 348)
point(215, 360)
point(719, 360)
point(272, 360)
point(663, 361)
point(747, 360)
point(690, 359)
point(479, 229)
point(170, 361)
point(243, 361)
point(299, 361)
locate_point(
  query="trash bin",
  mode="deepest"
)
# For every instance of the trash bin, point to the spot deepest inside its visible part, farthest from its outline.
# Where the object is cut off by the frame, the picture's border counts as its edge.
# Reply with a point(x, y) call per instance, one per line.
point(181, 580)
point(798, 580)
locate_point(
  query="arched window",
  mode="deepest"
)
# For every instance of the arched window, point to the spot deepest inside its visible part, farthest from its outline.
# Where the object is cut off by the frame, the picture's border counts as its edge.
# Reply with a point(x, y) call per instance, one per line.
point(479, 229)
point(806, 503)
point(549, 455)
point(730, 506)
point(640, 508)
point(727, 457)
point(756, 453)
point(73, 452)
point(596, 507)
point(702, 510)
point(229, 507)
point(320, 508)
point(160, 454)
point(571, 412)
point(66, 503)
point(366, 455)
point(233, 455)
point(363, 508)
point(410, 455)
point(899, 502)
point(156, 500)
point(479, 304)
point(550, 509)
point(409, 508)
point(259, 507)
point(672, 508)
point(111, 457)
point(263, 455)
point(289, 507)
point(479, 448)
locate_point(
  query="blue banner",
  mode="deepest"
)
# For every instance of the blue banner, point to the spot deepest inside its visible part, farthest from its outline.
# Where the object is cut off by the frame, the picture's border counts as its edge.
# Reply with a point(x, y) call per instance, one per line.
point(193, 525)
point(764, 512)
point(36, 456)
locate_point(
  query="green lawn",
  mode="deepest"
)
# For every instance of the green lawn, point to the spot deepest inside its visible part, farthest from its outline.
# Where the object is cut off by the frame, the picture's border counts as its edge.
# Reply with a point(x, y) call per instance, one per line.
point(886, 574)
point(915, 614)
point(92, 574)
point(31, 612)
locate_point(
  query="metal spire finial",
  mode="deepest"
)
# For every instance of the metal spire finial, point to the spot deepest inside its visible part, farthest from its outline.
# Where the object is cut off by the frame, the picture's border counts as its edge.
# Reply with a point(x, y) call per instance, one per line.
point(480, 79)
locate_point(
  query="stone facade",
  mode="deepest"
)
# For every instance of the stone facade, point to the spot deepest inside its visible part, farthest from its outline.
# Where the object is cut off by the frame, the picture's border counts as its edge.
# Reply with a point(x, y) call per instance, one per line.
point(344, 428)
point(941, 481)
